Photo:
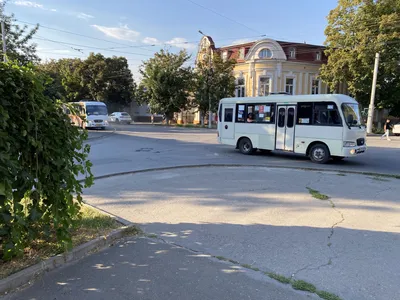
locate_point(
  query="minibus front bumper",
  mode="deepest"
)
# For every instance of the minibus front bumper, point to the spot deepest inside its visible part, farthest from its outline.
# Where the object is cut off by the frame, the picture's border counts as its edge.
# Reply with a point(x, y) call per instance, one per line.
point(96, 124)
point(353, 151)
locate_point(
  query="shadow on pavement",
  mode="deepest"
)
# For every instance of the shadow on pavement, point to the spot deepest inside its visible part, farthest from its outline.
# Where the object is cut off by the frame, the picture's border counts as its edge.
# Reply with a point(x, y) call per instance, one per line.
point(145, 269)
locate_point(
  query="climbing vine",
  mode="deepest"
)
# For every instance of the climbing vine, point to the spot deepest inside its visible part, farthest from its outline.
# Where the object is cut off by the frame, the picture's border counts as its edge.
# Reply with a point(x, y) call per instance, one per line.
point(41, 157)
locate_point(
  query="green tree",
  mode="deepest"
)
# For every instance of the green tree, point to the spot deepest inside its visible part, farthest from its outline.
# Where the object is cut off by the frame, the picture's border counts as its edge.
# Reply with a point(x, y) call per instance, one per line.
point(70, 72)
point(54, 88)
point(356, 30)
point(18, 39)
point(167, 82)
point(120, 86)
point(92, 73)
point(41, 156)
point(214, 80)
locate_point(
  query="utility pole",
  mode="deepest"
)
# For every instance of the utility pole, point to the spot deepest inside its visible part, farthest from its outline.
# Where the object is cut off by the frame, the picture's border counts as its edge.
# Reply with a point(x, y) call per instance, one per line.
point(372, 101)
point(208, 88)
point(209, 96)
point(3, 36)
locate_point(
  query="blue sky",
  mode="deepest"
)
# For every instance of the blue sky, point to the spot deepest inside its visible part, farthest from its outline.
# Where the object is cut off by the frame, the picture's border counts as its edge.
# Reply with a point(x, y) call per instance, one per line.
point(147, 26)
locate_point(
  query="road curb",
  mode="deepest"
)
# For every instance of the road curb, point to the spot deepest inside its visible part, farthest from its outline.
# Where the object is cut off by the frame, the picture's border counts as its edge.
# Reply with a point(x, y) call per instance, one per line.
point(26, 276)
point(243, 165)
point(101, 136)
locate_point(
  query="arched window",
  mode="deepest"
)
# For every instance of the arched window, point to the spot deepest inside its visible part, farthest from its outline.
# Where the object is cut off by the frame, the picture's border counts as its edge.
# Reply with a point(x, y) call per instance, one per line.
point(265, 53)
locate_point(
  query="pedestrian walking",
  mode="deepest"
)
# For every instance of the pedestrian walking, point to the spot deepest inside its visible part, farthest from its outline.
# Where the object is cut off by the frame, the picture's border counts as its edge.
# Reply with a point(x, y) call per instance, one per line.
point(387, 127)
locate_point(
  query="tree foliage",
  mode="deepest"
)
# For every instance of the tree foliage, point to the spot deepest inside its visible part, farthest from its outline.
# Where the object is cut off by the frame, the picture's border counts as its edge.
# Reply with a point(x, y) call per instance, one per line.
point(120, 86)
point(107, 79)
point(214, 80)
point(167, 82)
point(41, 155)
point(18, 39)
point(356, 30)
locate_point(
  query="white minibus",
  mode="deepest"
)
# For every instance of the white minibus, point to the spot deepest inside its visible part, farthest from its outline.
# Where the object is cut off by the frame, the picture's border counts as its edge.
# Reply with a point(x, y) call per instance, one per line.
point(94, 113)
point(319, 126)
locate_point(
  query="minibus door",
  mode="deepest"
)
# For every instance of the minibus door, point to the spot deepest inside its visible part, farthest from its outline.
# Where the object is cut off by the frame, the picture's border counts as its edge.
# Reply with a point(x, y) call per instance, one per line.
point(285, 127)
point(227, 128)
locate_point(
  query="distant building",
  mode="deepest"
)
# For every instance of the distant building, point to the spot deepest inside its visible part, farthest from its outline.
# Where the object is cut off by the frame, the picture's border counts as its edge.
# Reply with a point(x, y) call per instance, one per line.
point(268, 66)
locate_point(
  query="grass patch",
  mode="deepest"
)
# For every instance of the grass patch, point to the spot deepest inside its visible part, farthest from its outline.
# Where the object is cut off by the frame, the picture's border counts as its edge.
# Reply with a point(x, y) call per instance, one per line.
point(317, 195)
point(279, 278)
point(221, 258)
point(91, 225)
point(247, 266)
point(341, 174)
point(380, 175)
point(233, 261)
point(378, 178)
point(152, 236)
point(327, 296)
point(132, 230)
point(304, 286)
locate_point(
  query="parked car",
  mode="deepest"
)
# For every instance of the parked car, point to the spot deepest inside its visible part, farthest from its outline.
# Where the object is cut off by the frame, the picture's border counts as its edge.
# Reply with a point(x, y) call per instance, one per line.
point(396, 129)
point(120, 117)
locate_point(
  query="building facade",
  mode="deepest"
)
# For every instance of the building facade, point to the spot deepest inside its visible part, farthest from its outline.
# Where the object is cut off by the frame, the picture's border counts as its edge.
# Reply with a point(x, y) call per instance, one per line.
point(269, 66)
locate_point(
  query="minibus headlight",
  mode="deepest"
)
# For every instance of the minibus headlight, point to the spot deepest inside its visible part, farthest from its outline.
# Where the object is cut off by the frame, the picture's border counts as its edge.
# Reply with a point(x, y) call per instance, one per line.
point(349, 144)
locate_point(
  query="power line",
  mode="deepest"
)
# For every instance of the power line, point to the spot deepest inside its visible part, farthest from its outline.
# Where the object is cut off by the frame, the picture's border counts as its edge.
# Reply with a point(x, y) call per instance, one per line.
point(221, 15)
point(85, 36)
point(126, 45)
point(63, 54)
point(85, 46)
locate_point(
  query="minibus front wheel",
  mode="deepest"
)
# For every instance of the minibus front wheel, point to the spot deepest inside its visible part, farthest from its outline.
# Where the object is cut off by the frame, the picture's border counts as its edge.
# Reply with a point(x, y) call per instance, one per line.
point(319, 153)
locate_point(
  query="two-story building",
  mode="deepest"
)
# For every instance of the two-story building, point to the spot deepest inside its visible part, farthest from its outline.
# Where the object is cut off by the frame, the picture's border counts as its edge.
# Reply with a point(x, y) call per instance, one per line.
point(269, 66)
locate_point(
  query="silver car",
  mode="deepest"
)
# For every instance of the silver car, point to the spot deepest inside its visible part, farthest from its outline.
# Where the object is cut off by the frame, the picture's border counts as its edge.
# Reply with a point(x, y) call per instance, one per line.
point(120, 117)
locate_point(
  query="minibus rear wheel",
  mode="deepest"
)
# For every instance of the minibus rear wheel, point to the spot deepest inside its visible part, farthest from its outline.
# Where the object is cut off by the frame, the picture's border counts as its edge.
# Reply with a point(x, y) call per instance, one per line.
point(245, 146)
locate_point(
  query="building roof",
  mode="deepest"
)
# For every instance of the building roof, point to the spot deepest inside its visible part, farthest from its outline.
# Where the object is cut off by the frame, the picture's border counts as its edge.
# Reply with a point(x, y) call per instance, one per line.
point(303, 52)
point(282, 43)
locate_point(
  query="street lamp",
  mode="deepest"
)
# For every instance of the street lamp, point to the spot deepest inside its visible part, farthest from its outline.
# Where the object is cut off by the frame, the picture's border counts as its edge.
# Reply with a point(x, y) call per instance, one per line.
point(208, 89)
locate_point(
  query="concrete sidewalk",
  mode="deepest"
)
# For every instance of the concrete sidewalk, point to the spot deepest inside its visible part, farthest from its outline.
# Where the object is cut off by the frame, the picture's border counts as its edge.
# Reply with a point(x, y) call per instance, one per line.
point(265, 217)
point(142, 268)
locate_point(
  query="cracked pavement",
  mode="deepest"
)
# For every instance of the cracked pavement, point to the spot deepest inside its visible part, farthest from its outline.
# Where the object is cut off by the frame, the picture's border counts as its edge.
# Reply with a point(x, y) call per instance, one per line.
point(265, 217)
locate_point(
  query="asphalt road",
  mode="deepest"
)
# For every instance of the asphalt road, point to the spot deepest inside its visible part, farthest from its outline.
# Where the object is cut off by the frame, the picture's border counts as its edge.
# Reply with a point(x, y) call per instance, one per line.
point(147, 270)
point(136, 147)
point(263, 217)
point(267, 218)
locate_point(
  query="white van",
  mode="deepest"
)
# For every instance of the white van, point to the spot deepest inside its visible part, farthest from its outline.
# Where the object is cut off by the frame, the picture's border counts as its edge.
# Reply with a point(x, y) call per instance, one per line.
point(319, 126)
point(95, 114)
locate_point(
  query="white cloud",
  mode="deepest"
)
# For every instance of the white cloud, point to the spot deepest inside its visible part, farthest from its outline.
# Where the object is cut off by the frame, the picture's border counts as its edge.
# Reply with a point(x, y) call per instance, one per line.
point(33, 5)
point(28, 4)
point(119, 33)
point(151, 41)
point(181, 43)
point(84, 16)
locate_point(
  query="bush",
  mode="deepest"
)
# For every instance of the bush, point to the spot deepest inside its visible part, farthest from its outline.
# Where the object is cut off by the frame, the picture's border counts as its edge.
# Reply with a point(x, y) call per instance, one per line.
point(41, 155)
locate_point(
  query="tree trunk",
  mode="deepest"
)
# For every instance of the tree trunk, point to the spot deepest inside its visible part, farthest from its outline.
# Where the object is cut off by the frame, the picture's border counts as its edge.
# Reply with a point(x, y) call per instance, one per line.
point(202, 119)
